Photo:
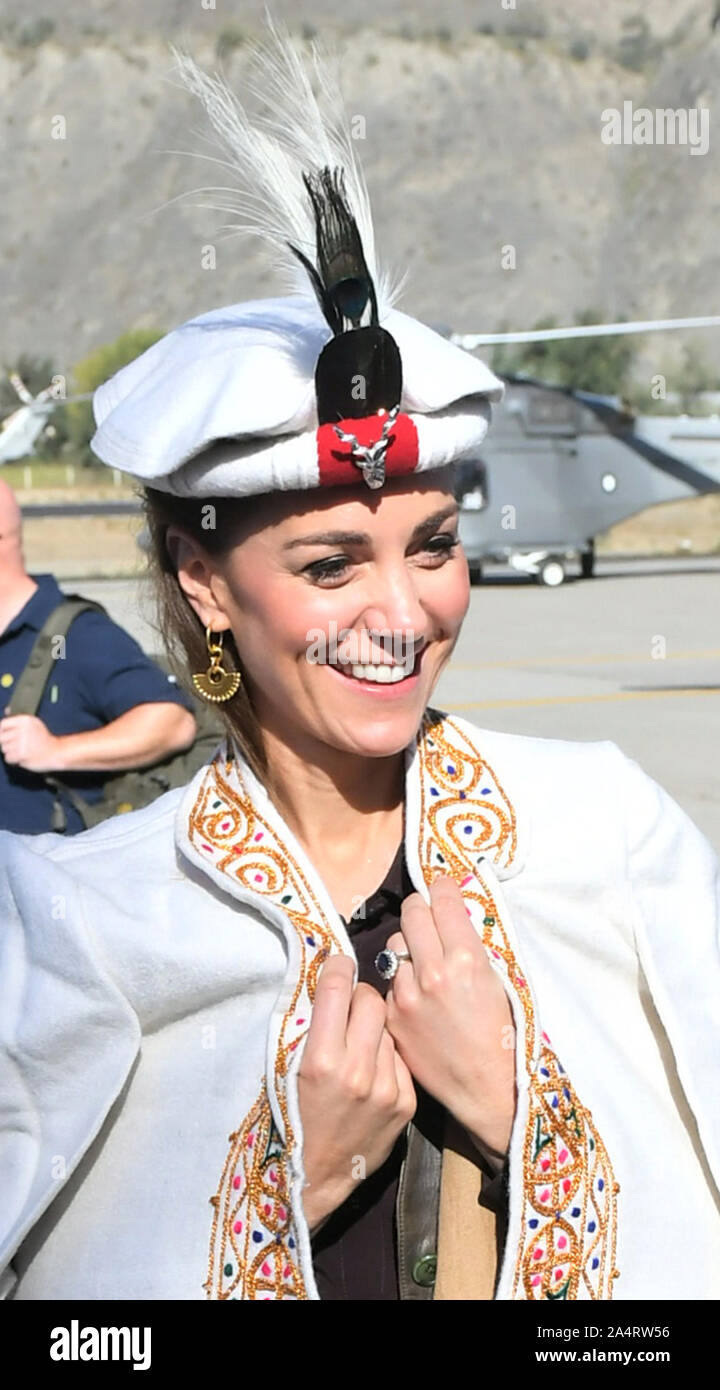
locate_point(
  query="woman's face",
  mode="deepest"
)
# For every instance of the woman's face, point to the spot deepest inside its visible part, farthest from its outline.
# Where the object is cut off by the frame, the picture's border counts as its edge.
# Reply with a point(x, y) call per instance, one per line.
point(328, 594)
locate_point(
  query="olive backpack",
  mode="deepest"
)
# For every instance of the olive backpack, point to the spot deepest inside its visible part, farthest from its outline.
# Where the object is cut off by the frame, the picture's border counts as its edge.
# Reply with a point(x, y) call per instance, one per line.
point(122, 791)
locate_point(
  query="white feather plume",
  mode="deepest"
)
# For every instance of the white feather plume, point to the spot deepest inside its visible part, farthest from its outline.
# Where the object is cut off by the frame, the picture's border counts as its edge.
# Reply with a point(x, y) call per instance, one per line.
point(267, 154)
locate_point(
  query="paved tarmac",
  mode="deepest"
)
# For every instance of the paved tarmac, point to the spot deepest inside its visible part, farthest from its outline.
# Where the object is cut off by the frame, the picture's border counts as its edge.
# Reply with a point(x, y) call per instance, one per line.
point(632, 655)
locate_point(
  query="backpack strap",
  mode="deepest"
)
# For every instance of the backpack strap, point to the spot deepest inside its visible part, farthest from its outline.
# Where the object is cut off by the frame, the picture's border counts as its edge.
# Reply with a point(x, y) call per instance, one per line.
point(31, 682)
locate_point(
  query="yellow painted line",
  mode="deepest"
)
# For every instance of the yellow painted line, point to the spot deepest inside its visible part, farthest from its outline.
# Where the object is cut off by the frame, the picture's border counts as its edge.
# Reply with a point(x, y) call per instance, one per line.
point(582, 660)
point(575, 699)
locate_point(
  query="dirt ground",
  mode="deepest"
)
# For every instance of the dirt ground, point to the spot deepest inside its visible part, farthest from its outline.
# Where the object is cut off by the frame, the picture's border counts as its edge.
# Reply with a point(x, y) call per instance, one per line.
point(690, 527)
point(83, 547)
point(106, 547)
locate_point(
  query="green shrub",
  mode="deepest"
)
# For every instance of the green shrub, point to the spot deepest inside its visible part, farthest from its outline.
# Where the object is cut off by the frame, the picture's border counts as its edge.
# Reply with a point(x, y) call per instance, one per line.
point(579, 50)
point(35, 33)
point(586, 364)
point(229, 38)
point(637, 48)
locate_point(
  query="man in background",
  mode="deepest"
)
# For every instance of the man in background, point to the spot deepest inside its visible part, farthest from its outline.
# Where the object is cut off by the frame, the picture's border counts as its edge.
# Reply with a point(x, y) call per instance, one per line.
point(106, 706)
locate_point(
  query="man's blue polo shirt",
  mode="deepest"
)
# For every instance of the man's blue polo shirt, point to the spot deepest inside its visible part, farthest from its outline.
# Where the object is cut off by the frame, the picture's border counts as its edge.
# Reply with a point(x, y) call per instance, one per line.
point(103, 674)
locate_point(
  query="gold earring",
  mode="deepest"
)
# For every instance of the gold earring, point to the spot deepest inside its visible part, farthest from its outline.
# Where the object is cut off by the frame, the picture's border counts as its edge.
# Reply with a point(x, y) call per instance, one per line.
point(216, 684)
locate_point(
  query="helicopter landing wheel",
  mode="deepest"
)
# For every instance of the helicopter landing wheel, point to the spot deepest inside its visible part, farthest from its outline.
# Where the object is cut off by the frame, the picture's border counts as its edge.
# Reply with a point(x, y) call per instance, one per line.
point(551, 572)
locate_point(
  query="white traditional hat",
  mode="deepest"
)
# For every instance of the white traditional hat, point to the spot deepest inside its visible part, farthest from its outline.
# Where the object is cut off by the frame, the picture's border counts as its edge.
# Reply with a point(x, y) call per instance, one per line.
point(324, 386)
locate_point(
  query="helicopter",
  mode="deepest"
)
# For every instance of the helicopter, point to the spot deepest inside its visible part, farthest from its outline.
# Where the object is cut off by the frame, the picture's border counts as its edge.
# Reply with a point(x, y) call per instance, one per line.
point(559, 466)
point(20, 431)
point(23, 427)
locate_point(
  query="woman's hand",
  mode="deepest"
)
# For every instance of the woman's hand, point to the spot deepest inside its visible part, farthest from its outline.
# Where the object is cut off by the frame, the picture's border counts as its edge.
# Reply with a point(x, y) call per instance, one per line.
point(354, 1091)
point(450, 1016)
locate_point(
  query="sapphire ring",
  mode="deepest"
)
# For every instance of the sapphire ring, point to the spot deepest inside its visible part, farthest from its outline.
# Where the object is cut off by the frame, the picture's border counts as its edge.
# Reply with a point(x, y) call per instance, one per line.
point(387, 962)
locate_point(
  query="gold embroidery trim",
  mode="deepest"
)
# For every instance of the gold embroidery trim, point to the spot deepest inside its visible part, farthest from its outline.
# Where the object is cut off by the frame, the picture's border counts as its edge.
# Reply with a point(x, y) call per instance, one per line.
point(260, 1260)
point(569, 1207)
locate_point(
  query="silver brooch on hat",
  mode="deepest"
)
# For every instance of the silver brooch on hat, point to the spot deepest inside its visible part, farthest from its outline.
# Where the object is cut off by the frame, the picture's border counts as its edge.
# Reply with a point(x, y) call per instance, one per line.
point(371, 457)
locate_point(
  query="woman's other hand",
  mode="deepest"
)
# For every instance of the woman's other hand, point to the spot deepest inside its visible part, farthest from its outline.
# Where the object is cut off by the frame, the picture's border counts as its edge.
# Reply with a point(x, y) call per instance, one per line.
point(355, 1092)
point(451, 1018)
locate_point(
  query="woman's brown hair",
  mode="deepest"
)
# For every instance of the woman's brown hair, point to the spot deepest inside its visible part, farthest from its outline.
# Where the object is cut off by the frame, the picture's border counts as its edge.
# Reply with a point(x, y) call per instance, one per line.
point(179, 625)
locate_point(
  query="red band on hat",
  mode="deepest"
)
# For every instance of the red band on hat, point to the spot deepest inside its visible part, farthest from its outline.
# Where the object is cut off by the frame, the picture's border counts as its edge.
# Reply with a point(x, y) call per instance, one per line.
point(335, 460)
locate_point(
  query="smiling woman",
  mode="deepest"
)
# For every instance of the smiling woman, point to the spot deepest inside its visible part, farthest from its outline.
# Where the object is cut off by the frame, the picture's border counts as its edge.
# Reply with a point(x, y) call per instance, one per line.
point(368, 965)
point(390, 576)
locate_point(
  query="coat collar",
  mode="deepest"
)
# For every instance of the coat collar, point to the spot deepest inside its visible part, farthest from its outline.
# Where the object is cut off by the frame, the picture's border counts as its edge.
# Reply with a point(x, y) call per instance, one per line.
point(452, 790)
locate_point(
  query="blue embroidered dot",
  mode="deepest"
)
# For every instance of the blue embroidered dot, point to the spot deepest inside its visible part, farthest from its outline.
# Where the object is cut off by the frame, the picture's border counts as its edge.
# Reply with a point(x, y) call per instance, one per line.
point(601, 1184)
point(544, 1071)
point(566, 1093)
point(462, 796)
point(291, 1243)
point(558, 1213)
point(591, 1225)
point(486, 791)
point(532, 1224)
point(287, 898)
point(555, 1100)
point(467, 829)
point(575, 1211)
point(227, 1270)
point(451, 769)
point(592, 1144)
point(215, 804)
point(595, 1262)
point(310, 940)
point(257, 1237)
point(561, 1069)
point(278, 1238)
point(434, 791)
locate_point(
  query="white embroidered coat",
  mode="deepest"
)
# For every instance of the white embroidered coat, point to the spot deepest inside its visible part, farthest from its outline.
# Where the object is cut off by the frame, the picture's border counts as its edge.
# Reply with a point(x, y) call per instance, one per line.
point(156, 983)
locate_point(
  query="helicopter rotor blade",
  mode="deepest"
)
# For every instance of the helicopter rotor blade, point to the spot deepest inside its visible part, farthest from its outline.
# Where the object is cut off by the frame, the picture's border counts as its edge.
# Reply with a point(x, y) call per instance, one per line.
point(583, 330)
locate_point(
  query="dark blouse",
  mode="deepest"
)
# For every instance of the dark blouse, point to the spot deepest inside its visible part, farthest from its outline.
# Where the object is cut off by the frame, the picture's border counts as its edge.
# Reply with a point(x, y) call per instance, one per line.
point(355, 1252)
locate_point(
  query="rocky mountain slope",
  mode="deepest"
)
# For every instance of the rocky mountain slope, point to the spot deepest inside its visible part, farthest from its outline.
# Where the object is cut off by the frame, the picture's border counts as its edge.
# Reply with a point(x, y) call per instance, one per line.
point(483, 131)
